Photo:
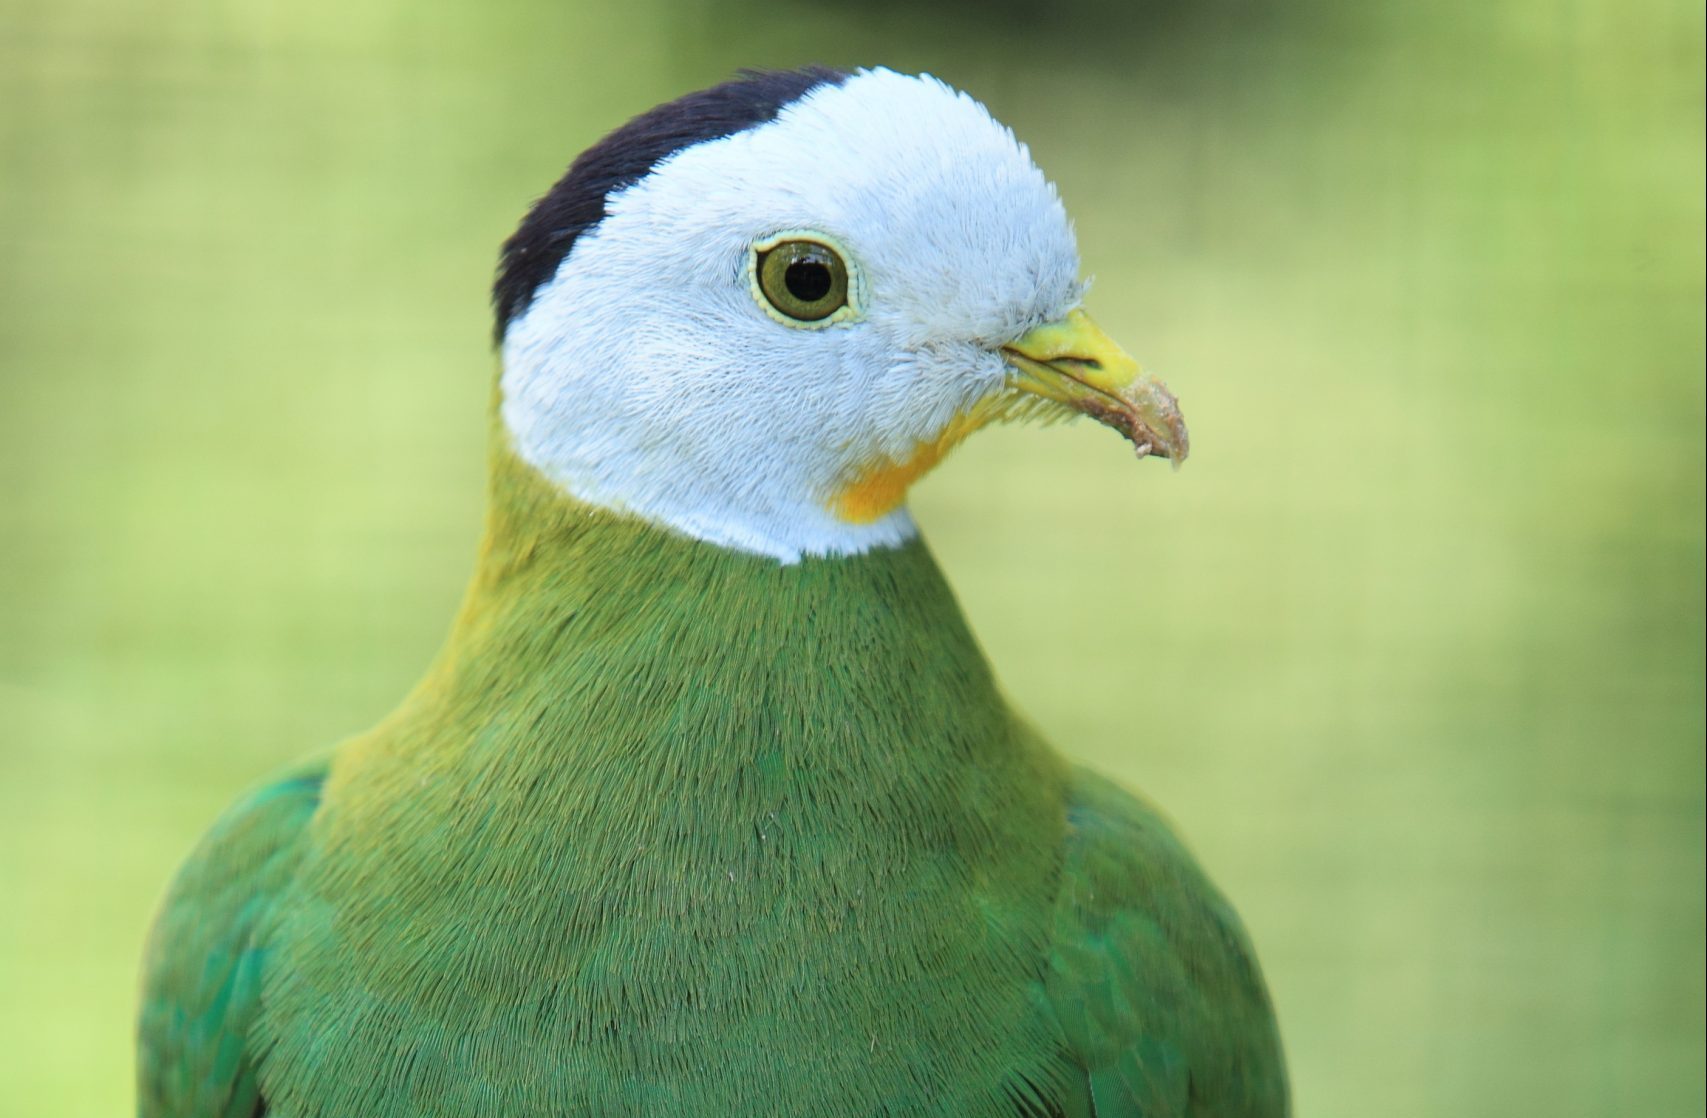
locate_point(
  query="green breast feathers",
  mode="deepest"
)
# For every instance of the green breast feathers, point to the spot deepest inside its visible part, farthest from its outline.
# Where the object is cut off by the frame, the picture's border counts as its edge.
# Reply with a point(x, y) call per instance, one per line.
point(711, 805)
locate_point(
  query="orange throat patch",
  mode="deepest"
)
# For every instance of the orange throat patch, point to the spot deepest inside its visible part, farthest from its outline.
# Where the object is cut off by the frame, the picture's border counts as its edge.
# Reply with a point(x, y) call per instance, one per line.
point(878, 489)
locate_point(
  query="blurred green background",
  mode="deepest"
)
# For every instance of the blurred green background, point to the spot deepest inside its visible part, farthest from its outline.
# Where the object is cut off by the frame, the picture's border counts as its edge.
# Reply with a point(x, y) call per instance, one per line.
point(1412, 649)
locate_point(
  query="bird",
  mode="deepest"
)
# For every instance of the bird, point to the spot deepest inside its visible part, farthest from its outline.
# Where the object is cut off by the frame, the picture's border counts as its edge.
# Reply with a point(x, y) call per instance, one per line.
point(711, 803)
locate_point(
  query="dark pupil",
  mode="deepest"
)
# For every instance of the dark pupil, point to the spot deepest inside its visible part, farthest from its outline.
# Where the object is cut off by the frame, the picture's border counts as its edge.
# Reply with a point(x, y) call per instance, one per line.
point(807, 280)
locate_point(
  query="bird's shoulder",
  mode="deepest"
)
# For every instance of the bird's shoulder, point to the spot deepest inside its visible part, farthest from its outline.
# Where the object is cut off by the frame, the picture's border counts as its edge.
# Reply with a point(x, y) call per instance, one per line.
point(1151, 975)
point(206, 953)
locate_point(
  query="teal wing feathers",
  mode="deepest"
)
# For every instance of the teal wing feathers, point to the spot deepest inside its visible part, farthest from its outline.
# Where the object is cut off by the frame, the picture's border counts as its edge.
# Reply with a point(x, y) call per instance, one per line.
point(1151, 977)
point(202, 971)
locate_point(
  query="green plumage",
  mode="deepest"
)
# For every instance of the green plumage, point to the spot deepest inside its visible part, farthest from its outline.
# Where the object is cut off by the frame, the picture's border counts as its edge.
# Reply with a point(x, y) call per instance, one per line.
point(671, 830)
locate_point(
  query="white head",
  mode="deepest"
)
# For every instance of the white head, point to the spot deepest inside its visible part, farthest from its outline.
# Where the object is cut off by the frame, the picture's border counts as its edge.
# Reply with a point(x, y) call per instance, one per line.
point(652, 372)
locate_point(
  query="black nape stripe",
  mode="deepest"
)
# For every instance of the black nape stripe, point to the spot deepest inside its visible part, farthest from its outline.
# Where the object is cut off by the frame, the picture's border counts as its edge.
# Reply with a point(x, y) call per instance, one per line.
point(577, 203)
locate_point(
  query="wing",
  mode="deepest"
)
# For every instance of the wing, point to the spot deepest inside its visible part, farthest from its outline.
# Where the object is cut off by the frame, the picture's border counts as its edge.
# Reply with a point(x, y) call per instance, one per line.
point(202, 971)
point(1151, 977)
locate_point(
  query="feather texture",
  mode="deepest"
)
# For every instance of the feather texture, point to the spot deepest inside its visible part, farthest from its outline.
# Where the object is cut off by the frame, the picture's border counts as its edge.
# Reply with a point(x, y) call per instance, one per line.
point(205, 959)
point(1152, 979)
point(673, 830)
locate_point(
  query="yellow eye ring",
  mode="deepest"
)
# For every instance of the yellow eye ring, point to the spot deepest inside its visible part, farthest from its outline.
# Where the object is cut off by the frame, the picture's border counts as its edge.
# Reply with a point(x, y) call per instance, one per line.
point(803, 280)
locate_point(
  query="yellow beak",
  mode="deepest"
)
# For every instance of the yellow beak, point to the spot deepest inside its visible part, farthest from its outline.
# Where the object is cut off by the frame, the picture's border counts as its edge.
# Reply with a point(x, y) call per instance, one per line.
point(1074, 363)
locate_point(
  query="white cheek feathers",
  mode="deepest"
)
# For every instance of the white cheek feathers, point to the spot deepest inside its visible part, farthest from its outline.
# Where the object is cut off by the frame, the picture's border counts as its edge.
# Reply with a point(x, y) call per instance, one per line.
point(652, 375)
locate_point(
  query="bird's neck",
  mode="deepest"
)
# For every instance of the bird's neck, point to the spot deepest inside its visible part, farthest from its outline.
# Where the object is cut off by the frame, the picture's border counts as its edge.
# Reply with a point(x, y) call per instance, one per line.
point(642, 757)
point(599, 661)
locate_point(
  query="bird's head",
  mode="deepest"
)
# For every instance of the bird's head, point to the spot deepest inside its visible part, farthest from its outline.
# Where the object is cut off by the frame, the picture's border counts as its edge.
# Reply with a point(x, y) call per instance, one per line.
point(756, 314)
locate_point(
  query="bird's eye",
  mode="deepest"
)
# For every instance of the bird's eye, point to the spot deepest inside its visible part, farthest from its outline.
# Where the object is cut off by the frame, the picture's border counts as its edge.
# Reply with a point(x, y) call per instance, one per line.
point(806, 281)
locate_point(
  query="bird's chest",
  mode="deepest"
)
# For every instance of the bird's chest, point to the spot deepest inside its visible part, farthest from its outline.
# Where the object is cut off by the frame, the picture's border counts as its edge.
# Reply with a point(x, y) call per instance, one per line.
point(775, 968)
